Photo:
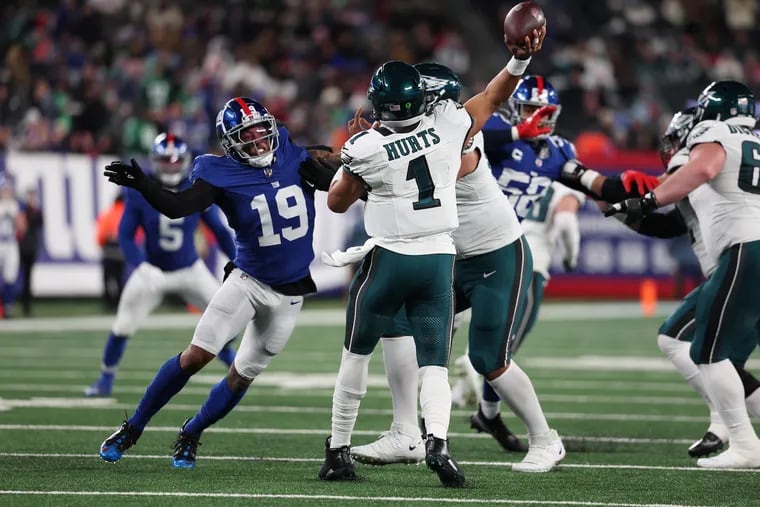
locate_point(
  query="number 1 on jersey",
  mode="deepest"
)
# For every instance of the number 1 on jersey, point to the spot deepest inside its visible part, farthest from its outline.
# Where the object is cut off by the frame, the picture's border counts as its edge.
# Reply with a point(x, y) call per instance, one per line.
point(419, 171)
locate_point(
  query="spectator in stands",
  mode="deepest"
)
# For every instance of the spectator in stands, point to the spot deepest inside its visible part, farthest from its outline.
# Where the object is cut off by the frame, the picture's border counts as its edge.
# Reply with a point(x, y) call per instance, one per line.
point(29, 245)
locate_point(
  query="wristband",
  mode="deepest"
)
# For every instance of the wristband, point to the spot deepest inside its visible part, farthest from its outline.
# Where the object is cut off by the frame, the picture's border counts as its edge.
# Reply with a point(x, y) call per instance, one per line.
point(588, 177)
point(517, 67)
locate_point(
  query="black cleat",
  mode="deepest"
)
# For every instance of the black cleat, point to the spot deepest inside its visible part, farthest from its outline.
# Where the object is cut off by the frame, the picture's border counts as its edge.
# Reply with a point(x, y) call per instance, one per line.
point(185, 448)
point(709, 444)
point(122, 439)
point(440, 461)
point(496, 428)
point(338, 465)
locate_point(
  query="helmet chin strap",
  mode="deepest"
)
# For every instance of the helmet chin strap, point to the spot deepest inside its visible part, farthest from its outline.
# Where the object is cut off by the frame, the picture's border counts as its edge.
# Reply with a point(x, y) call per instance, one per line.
point(262, 161)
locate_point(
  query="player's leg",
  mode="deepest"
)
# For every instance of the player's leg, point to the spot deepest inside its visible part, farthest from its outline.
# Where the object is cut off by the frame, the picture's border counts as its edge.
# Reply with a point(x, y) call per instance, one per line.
point(497, 306)
point(488, 417)
point(674, 340)
point(265, 336)
point(227, 313)
point(430, 310)
point(137, 301)
point(488, 316)
point(726, 320)
point(402, 443)
point(197, 287)
point(374, 298)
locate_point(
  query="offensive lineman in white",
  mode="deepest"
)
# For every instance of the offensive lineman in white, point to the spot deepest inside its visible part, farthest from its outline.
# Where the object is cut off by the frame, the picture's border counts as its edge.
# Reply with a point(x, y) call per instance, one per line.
point(492, 275)
point(412, 252)
point(724, 154)
point(677, 332)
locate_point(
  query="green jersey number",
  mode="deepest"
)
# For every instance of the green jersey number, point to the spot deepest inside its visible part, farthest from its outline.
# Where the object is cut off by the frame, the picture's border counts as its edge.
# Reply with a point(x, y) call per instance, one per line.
point(749, 171)
point(420, 172)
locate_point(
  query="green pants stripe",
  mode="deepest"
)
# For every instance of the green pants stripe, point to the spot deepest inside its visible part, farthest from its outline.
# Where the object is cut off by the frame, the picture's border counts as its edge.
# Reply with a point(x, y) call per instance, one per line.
point(530, 314)
point(681, 324)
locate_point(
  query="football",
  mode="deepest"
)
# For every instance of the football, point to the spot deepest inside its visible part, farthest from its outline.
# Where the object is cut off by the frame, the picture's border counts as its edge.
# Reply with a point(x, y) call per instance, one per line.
point(521, 20)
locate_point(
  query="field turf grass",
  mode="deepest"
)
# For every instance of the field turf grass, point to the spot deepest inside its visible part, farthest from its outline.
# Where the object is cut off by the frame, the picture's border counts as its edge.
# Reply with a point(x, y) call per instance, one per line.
point(626, 418)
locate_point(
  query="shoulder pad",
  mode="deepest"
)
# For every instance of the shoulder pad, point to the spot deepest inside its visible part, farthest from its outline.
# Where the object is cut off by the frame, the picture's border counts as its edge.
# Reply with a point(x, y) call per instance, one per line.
point(707, 131)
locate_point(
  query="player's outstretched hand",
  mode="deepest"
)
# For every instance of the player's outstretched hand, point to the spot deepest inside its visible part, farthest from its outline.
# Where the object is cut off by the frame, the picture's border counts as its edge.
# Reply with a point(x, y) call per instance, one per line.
point(644, 182)
point(357, 123)
point(632, 211)
point(125, 175)
point(318, 172)
point(524, 49)
point(531, 127)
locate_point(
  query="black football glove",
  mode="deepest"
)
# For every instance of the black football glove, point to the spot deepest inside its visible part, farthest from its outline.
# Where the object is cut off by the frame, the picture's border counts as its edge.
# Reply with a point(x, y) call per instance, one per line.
point(125, 175)
point(318, 173)
point(632, 211)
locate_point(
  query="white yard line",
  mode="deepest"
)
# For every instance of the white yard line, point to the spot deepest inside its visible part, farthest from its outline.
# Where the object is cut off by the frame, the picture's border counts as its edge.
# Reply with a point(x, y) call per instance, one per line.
point(177, 494)
point(316, 317)
point(306, 431)
point(319, 460)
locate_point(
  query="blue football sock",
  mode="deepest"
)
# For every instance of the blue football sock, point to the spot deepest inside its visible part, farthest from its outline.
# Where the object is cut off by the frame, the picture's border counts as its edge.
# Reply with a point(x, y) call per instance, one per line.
point(220, 401)
point(488, 393)
point(169, 380)
point(226, 355)
point(113, 351)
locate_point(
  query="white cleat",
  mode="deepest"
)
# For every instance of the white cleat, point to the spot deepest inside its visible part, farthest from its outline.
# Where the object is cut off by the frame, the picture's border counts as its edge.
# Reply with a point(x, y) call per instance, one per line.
point(731, 459)
point(544, 453)
point(391, 447)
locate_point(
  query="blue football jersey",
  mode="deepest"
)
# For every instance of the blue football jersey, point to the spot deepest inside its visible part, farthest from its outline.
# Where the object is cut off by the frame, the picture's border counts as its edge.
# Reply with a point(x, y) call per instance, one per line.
point(271, 213)
point(524, 170)
point(169, 242)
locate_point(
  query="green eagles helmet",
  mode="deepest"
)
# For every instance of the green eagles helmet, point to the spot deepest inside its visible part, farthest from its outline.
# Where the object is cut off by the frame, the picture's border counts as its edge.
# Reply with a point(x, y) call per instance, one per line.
point(722, 100)
point(440, 82)
point(397, 94)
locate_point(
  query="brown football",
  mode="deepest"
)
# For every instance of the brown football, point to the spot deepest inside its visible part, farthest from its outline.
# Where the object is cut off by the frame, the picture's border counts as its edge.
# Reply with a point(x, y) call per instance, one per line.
point(521, 20)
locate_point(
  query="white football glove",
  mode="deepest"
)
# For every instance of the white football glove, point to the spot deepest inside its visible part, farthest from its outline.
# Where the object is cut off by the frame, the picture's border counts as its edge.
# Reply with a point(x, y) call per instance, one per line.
point(566, 229)
point(153, 276)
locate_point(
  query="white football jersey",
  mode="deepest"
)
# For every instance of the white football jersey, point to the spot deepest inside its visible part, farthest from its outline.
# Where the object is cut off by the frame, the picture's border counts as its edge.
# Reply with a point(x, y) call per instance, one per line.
point(538, 226)
point(735, 213)
point(411, 205)
point(9, 209)
point(703, 198)
point(487, 220)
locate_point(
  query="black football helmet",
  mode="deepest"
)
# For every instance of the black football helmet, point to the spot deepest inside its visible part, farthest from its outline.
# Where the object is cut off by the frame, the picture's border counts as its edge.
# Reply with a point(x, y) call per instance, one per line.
point(440, 82)
point(397, 94)
point(722, 100)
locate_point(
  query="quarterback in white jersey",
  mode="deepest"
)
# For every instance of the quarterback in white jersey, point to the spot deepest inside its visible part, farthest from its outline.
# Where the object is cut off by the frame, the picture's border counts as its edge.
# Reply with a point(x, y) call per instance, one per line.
point(11, 220)
point(724, 154)
point(409, 258)
point(491, 275)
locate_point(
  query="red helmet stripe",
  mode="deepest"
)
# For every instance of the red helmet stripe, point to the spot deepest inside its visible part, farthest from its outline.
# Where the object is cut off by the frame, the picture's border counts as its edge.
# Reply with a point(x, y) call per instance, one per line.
point(540, 85)
point(243, 105)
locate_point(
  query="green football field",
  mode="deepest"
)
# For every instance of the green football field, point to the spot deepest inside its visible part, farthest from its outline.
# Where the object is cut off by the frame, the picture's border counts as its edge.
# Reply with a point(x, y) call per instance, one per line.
point(626, 418)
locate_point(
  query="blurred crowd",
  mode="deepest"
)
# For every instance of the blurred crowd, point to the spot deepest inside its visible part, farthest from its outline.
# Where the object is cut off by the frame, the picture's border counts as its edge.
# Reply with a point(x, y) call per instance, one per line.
point(104, 76)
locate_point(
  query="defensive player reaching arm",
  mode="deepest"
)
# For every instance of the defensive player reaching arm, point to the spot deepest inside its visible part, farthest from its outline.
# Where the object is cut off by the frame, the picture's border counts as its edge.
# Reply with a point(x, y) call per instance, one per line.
point(170, 262)
point(270, 206)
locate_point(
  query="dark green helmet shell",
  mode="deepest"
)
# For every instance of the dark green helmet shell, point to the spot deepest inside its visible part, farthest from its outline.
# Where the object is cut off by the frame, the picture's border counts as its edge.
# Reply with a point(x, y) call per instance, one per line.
point(397, 93)
point(722, 100)
point(440, 82)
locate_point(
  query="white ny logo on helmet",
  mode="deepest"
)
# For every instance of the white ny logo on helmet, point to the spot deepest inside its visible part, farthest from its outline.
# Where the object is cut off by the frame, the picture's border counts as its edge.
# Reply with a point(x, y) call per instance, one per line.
point(539, 96)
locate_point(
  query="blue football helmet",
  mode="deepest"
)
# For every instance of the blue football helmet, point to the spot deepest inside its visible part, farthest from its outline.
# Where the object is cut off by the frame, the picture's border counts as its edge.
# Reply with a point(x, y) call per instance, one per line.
point(247, 132)
point(170, 159)
point(531, 93)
